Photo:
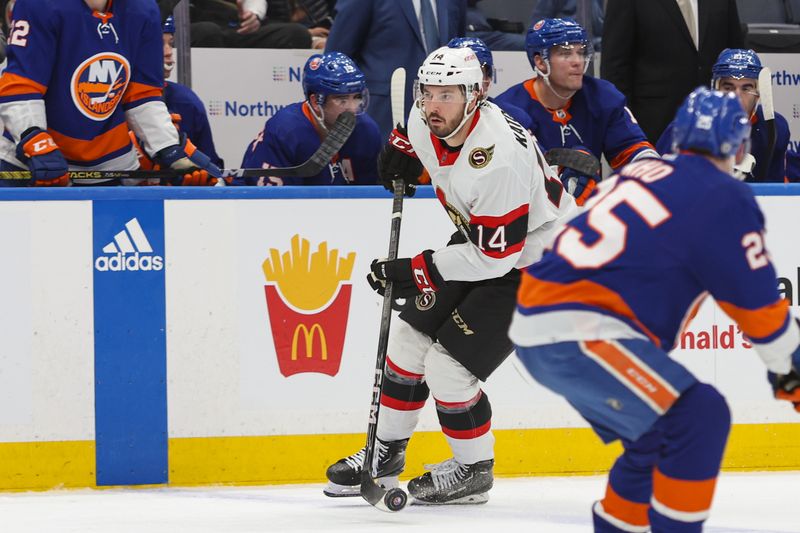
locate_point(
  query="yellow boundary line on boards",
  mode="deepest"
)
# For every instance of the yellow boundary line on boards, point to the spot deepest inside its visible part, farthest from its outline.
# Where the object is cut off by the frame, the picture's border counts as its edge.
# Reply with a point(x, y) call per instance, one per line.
point(303, 458)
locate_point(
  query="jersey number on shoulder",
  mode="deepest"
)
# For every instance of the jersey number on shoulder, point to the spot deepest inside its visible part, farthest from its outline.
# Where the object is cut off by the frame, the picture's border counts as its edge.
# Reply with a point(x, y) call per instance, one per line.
point(612, 230)
point(754, 250)
point(19, 33)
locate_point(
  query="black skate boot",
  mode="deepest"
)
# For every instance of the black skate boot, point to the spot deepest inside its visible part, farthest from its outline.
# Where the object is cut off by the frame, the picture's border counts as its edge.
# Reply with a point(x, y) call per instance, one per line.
point(451, 482)
point(344, 476)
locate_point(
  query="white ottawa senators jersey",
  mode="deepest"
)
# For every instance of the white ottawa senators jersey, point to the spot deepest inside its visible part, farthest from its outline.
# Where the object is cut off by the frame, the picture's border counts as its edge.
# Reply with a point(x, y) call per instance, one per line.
point(498, 192)
point(77, 72)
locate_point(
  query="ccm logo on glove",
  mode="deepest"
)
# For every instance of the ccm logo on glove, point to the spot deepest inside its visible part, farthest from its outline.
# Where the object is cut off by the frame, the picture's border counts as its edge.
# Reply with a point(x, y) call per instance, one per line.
point(43, 146)
point(399, 141)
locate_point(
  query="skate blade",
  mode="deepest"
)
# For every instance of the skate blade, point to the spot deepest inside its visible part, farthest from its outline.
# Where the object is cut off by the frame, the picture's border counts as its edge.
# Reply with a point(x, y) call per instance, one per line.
point(473, 499)
point(334, 490)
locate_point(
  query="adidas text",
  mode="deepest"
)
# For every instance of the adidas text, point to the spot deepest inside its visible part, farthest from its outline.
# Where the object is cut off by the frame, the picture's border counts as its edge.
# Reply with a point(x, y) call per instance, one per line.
point(129, 262)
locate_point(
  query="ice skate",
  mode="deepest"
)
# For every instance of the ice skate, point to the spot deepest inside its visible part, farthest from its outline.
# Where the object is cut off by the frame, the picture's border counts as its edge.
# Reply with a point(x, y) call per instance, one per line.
point(451, 482)
point(344, 476)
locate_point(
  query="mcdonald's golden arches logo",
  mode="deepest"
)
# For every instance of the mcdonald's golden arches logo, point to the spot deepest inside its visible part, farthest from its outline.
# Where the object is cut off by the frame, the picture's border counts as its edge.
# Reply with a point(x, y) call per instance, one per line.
point(308, 337)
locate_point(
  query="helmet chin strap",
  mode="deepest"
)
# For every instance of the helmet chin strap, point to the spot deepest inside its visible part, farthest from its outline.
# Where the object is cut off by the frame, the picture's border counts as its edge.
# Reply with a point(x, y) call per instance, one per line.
point(546, 78)
point(319, 118)
point(467, 116)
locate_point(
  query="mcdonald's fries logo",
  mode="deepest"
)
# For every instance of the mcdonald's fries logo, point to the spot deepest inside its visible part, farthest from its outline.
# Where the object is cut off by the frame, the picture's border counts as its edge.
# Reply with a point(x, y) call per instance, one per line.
point(308, 302)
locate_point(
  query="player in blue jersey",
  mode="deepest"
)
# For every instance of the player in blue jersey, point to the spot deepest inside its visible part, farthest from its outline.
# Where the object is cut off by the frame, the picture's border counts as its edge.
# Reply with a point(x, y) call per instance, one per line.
point(187, 110)
point(736, 70)
point(332, 84)
point(484, 55)
point(81, 73)
point(598, 315)
point(570, 109)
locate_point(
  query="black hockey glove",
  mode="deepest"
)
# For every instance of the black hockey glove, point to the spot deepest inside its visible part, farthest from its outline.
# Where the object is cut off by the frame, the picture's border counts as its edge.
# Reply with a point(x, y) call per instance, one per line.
point(399, 161)
point(409, 276)
point(787, 386)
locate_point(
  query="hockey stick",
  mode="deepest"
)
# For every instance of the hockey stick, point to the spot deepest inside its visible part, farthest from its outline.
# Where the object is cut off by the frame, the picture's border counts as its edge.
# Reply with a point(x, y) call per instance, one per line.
point(334, 141)
point(578, 160)
point(768, 109)
point(393, 499)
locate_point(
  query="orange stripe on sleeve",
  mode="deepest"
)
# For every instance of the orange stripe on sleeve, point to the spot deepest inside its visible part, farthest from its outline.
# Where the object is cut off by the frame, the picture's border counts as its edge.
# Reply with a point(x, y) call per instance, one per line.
point(683, 495)
point(90, 150)
point(625, 510)
point(761, 322)
point(626, 154)
point(634, 374)
point(534, 292)
point(14, 84)
point(139, 91)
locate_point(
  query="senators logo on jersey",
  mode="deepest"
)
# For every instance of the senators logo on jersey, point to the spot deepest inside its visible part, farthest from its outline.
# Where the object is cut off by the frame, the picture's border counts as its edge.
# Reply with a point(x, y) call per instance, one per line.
point(480, 157)
point(99, 83)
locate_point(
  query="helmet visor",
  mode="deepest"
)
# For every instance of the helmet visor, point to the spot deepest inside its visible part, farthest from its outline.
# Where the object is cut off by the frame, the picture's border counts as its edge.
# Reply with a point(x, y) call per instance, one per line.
point(356, 103)
point(440, 94)
point(573, 51)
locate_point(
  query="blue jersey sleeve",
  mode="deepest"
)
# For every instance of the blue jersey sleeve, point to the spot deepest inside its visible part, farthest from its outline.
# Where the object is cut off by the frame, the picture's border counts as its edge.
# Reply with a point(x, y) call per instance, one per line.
point(624, 138)
point(32, 42)
point(730, 259)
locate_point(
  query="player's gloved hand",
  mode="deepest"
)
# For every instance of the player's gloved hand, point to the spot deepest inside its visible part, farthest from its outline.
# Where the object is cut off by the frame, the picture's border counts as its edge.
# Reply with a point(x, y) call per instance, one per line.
point(578, 169)
point(38, 150)
point(409, 276)
point(578, 185)
point(786, 387)
point(399, 161)
point(185, 157)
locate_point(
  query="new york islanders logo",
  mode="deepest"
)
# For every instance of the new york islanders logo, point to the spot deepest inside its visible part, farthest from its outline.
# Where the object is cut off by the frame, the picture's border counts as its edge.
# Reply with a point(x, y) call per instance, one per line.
point(98, 84)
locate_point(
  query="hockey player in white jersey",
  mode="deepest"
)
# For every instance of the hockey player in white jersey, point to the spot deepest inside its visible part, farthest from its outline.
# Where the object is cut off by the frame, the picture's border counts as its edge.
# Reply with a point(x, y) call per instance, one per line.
point(506, 203)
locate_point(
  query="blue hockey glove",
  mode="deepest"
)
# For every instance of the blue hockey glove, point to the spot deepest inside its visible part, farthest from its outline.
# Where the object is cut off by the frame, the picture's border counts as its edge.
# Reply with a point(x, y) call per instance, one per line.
point(578, 169)
point(38, 150)
point(578, 185)
point(409, 276)
point(185, 157)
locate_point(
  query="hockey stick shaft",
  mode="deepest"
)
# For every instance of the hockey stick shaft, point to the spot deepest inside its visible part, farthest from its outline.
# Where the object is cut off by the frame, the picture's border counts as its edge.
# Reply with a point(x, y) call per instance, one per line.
point(768, 110)
point(394, 499)
point(333, 142)
point(370, 490)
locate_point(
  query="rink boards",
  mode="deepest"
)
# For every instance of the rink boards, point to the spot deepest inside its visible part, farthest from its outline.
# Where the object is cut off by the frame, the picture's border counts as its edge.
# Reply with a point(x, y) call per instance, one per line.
point(145, 342)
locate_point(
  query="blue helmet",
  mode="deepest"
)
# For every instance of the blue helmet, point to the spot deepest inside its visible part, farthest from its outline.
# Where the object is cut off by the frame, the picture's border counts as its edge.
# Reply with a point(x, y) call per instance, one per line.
point(736, 63)
point(332, 73)
point(710, 122)
point(547, 33)
point(482, 51)
point(169, 25)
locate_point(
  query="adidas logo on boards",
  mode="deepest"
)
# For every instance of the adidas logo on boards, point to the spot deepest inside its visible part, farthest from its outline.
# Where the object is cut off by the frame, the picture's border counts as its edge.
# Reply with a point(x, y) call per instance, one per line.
point(129, 251)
